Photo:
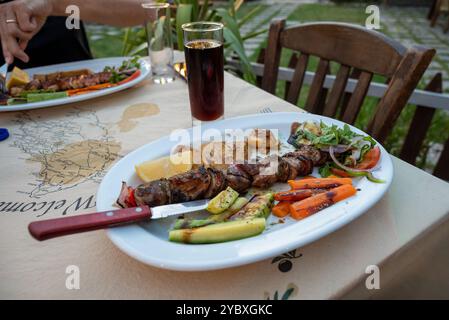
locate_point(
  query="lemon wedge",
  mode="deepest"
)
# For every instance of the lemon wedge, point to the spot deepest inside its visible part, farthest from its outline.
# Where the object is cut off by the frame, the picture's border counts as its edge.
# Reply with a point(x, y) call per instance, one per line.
point(18, 77)
point(164, 167)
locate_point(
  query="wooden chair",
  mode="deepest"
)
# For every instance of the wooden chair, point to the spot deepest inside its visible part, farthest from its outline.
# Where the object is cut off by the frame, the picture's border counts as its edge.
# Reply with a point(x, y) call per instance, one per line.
point(417, 131)
point(436, 9)
point(361, 53)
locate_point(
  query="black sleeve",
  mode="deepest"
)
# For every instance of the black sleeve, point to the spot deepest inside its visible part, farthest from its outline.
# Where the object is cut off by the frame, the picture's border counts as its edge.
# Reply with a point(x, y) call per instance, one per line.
point(54, 43)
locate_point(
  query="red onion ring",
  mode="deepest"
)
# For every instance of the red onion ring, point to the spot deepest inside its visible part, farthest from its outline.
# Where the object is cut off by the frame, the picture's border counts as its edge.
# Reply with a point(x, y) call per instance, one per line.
point(342, 166)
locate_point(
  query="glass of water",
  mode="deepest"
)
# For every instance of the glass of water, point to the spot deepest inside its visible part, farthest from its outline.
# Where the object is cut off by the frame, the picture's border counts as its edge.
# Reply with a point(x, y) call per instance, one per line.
point(160, 44)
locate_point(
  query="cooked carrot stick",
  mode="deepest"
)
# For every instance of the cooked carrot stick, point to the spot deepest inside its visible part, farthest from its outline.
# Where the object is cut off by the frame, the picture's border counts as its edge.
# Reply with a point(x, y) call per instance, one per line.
point(309, 177)
point(293, 195)
point(282, 209)
point(90, 88)
point(318, 183)
point(309, 206)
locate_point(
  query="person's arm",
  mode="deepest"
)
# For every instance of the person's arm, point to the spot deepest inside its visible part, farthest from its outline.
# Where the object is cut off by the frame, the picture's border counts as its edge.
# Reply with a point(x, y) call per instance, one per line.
point(20, 20)
point(120, 13)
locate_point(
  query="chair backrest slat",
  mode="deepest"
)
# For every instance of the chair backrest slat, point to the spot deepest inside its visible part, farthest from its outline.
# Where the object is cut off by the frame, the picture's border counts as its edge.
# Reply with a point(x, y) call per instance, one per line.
point(420, 124)
point(338, 89)
point(399, 90)
point(298, 78)
point(442, 167)
point(317, 86)
point(272, 56)
point(356, 101)
point(291, 65)
point(261, 60)
point(355, 74)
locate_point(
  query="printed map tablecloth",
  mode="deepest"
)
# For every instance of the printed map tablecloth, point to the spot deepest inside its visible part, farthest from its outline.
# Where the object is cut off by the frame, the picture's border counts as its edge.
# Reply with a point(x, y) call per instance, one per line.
point(55, 158)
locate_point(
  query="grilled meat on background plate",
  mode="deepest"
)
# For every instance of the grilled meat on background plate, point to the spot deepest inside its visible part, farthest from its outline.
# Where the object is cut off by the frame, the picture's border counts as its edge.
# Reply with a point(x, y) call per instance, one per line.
point(204, 183)
point(62, 84)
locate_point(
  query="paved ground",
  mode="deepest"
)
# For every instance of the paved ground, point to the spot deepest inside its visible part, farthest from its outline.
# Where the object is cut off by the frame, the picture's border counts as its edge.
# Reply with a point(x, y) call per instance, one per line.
point(410, 26)
point(276, 10)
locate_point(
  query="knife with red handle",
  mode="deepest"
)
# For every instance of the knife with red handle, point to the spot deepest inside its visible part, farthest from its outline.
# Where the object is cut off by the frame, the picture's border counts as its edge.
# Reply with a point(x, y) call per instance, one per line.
point(51, 228)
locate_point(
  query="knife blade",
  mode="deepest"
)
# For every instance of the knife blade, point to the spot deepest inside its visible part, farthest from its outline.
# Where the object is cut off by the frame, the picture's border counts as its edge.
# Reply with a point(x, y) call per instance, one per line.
point(178, 208)
point(51, 228)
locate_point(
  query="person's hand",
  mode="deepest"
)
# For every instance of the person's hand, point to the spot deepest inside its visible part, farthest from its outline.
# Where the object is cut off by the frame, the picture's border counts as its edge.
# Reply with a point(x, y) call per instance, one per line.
point(20, 20)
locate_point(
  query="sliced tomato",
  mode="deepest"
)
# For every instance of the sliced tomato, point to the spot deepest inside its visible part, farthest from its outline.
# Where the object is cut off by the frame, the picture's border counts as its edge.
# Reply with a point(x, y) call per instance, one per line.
point(135, 75)
point(370, 159)
point(131, 201)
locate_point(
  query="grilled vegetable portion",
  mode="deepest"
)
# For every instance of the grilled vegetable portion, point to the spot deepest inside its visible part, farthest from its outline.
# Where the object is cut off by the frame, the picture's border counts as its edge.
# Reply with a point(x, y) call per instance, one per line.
point(216, 218)
point(321, 183)
point(309, 206)
point(222, 201)
point(220, 232)
point(258, 207)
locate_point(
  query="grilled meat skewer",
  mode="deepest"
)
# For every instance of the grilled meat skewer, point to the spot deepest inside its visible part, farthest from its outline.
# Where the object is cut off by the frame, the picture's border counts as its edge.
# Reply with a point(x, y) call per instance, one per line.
point(204, 183)
point(57, 83)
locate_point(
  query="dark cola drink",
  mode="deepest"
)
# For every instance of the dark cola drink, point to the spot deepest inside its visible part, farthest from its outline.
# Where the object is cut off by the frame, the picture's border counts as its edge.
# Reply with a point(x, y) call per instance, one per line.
point(204, 59)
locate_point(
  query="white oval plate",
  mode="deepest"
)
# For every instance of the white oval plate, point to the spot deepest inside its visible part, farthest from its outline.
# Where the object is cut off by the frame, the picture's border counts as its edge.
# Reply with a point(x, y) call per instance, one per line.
point(148, 242)
point(96, 65)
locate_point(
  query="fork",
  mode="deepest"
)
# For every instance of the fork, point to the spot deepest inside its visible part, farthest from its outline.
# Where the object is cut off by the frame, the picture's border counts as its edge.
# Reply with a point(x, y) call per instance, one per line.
point(3, 73)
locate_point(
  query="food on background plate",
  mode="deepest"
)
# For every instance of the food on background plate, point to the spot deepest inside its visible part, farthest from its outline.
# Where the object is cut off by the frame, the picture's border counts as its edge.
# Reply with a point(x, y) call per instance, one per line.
point(349, 154)
point(22, 89)
point(17, 77)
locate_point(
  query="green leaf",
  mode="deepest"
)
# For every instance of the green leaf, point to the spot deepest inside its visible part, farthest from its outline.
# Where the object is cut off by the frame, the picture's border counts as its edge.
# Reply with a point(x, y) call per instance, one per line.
point(230, 22)
point(254, 34)
point(250, 15)
point(126, 42)
point(325, 171)
point(183, 15)
point(203, 11)
point(237, 47)
point(140, 47)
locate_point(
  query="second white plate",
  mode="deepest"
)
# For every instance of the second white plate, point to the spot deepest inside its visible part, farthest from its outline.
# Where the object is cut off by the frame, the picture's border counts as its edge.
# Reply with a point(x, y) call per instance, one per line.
point(96, 65)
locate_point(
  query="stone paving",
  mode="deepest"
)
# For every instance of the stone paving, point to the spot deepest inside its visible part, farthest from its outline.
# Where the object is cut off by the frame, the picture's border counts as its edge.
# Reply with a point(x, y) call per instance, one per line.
point(410, 26)
point(276, 10)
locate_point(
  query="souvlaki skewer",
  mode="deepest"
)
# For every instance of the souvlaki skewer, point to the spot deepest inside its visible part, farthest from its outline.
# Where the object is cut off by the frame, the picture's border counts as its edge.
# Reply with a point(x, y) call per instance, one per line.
point(205, 183)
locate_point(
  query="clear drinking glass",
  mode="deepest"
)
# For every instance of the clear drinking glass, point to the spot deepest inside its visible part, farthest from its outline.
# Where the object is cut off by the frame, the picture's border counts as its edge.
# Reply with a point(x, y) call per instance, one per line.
point(203, 49)
point(160, 44)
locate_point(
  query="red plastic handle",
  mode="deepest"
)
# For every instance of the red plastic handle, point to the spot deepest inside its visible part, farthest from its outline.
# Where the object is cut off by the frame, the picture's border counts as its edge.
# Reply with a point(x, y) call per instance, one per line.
point(46, 229)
